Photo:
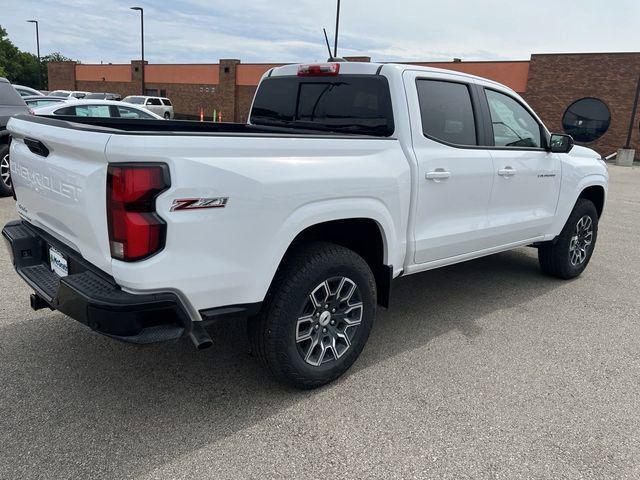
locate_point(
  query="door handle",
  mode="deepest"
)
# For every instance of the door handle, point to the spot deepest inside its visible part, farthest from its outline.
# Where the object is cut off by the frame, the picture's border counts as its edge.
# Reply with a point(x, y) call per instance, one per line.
point(437, 174)
point(507, 172)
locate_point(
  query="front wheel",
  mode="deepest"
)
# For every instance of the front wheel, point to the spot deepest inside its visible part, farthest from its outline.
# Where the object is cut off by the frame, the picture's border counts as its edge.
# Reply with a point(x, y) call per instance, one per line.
point(6, 187)
point(569, 254)
point(317, 315)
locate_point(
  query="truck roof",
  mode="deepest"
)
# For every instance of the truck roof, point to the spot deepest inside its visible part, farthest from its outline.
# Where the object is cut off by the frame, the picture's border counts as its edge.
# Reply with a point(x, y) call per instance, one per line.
point(373, 68)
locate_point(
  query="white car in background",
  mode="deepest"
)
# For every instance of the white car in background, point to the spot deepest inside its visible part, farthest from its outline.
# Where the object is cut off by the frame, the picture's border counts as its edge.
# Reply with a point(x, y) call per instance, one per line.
point(97, 108)
point(158, 105)
point(69, 94)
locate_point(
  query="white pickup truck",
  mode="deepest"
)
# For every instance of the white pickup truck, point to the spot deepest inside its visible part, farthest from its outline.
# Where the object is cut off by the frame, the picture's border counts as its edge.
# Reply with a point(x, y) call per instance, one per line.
point(347, 176)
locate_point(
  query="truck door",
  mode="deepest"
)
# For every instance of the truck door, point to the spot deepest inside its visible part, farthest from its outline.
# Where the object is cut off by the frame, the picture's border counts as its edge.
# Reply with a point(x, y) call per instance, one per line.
point(454, 171)
point(526, 176)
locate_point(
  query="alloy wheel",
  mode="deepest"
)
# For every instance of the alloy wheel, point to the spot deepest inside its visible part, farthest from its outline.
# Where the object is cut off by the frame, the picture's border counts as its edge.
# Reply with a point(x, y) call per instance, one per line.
point(5, 171)
point(328, 321)
point(581, 241)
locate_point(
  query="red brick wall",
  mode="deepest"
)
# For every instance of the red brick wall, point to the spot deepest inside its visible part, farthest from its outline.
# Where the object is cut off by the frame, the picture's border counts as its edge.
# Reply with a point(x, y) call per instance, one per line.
point(62, 75)
point(556, 81)
point(244, 97)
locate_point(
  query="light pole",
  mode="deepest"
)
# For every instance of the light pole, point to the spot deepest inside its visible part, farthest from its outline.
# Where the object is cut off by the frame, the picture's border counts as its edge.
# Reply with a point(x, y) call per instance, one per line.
point(38, 47)
point(335, 43)
point(141, 10)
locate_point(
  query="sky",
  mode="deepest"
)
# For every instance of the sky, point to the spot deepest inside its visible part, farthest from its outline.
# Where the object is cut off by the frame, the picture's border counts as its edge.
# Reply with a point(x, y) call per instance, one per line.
point(203, 31)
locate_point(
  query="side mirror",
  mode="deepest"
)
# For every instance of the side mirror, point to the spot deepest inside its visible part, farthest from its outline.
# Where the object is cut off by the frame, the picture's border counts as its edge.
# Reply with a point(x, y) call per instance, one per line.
point(560, 143)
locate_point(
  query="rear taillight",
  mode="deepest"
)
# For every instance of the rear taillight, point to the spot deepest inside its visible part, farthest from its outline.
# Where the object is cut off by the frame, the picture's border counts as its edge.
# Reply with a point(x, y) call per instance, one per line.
point(319, 70)
point(136, 231)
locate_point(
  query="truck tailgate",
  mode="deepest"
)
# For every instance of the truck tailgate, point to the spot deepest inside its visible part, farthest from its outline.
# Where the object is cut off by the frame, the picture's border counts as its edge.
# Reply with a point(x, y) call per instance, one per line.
point(59, 177)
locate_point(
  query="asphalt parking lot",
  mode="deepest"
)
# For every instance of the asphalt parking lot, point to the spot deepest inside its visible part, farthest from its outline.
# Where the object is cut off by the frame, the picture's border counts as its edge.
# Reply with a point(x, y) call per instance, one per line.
point(481, 370)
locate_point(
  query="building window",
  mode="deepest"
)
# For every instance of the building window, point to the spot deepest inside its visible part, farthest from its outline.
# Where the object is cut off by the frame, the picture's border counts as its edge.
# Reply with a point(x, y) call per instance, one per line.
point(586, 120)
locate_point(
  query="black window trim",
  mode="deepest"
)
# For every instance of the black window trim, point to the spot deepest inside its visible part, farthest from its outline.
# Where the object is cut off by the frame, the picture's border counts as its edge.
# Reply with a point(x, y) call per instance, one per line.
point(477, 114)
point(490, 142)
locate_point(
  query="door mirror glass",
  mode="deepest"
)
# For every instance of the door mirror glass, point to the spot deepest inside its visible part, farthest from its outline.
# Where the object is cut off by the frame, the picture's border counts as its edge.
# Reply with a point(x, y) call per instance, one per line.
point(559, 143)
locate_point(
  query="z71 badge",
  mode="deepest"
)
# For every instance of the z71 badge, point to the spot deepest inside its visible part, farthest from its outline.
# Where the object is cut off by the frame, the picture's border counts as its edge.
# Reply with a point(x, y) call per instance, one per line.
point(198, 203)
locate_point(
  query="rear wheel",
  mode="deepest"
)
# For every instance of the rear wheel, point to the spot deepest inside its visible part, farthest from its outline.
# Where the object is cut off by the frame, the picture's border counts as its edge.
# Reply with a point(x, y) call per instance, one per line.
point(6, 187)
point(317, 316)
point(569, 254)
point(167, 115)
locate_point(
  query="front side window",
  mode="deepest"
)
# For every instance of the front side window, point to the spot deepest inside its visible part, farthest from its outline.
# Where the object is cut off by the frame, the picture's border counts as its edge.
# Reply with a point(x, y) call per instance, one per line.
point(586, 120)
point(447, 112)
point(126, 112)
point(513, 125)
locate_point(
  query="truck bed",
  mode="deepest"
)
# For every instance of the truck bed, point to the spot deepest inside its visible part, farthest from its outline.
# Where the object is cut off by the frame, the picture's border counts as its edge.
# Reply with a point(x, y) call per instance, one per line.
point(177, 127)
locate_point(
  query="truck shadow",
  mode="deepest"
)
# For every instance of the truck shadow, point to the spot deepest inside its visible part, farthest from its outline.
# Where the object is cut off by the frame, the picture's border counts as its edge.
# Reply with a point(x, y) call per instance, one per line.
point(84, 406)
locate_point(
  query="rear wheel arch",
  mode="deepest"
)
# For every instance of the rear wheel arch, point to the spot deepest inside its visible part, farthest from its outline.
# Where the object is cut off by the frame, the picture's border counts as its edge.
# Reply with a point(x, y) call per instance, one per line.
point(364, 236)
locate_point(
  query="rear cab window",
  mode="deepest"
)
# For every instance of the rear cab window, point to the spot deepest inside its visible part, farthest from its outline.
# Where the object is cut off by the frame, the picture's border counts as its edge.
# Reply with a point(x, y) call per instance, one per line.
point(356, 104)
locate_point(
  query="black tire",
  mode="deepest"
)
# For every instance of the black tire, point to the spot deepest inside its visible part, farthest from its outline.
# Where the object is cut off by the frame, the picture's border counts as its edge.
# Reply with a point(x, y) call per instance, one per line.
point(6, 187)
point(557, 258)
point(274, 332)
point(167, 115)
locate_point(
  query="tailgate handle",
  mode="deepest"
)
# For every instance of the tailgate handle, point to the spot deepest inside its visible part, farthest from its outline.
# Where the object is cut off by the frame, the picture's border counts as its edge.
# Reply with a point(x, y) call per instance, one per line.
point(37, 147)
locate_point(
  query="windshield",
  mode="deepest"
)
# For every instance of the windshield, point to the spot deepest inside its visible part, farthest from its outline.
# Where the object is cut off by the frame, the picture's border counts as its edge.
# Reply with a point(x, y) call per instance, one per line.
point(359, 104)
point(95, 96)
point(134, 100)
point(59, 93)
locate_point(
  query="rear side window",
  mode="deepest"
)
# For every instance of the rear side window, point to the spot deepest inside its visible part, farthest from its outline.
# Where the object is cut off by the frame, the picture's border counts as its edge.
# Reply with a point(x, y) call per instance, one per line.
point(358, 104)
point(166, 101)
point(154, 101)
point(447, 112)
point(86, 111)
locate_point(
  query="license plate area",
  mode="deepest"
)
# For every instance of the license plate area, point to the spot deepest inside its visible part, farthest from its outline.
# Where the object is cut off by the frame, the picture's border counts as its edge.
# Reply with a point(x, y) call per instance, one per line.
point(58, 262)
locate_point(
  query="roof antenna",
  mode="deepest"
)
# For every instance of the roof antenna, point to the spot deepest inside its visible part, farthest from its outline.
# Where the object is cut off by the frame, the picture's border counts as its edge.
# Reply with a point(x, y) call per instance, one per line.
point(335, 44)
point(326, 39)
point(334, 57)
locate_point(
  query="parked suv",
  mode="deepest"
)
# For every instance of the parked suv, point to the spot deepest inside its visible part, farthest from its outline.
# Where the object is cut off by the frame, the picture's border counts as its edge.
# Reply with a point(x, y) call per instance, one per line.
point(11, 103)
point(158, 105)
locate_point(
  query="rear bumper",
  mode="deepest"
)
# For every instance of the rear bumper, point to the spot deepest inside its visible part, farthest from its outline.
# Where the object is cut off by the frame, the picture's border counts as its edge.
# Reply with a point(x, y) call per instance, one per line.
point(89, 295)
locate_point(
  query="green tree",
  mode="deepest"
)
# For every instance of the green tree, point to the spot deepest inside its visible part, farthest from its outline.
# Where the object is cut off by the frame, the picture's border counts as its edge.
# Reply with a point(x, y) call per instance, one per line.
point(22, 67)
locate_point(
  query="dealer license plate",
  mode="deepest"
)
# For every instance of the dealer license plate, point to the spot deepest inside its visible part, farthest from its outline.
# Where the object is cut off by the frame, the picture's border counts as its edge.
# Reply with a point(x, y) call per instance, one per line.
point(58, 263)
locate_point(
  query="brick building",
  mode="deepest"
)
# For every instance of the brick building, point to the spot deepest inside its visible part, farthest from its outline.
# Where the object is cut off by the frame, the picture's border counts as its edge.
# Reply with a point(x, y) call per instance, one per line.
point(599, 85)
